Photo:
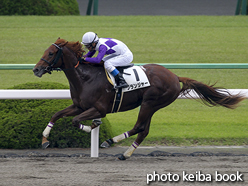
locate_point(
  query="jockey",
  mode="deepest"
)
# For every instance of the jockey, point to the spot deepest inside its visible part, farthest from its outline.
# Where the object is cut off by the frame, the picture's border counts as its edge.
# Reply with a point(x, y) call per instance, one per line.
point(117, 54)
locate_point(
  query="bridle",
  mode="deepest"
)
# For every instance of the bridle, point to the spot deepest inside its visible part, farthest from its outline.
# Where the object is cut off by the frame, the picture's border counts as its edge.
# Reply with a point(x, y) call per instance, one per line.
point(55, 60)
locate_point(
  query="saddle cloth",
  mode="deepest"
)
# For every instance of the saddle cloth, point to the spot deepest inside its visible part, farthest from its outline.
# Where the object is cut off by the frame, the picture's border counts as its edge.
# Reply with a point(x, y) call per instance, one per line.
point(134, 76)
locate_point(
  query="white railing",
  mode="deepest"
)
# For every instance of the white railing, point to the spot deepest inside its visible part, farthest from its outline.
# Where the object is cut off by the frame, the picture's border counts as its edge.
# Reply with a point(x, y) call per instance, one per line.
point(50, 94)
point(65, 94)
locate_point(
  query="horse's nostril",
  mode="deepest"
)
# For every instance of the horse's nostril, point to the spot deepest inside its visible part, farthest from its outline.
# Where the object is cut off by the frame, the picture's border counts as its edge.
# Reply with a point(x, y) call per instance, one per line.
point(38, 71)
point(35, 70)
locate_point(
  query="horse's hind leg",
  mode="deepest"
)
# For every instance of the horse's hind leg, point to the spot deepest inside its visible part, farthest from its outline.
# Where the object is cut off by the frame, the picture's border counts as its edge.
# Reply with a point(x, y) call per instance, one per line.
point(141, 136)
point(142, 127)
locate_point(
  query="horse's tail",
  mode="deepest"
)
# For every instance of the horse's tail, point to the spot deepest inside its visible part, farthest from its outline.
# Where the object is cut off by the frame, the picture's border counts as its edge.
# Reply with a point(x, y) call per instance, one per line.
point(210, 95)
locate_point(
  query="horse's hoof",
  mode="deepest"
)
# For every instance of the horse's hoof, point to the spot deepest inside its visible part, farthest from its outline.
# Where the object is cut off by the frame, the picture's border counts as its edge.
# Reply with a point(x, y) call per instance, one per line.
point(107, 143)
point(45, 145)
point(122, 157)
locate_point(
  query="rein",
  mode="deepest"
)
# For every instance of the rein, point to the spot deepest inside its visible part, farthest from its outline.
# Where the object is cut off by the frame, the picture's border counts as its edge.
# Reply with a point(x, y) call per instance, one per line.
point(55, 60)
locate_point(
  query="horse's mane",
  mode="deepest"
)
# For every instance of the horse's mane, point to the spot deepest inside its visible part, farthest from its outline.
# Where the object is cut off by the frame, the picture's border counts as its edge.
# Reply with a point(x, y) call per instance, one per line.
point(74, 46)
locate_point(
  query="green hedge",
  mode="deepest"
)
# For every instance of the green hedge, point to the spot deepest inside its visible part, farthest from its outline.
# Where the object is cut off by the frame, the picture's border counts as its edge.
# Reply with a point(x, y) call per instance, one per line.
point(39, 7)
point(23, 121)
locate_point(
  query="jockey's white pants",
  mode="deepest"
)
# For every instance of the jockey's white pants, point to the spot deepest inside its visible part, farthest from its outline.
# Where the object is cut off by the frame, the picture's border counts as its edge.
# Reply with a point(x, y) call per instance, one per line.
point(111, 61)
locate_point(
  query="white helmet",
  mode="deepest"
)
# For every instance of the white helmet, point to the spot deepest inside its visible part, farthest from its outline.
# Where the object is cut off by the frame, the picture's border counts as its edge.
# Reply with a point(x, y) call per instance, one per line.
point(89, 38)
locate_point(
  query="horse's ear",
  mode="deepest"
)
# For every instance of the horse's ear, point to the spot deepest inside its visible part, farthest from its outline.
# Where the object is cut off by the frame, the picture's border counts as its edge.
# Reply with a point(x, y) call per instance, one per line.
point(57, 39)
point(63, 44)
point(79, 43)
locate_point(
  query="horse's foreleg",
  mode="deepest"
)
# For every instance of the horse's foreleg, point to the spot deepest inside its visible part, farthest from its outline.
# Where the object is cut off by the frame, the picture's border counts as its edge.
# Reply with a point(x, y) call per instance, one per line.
point(96, 122)
point(89, 114)
point(69, 111)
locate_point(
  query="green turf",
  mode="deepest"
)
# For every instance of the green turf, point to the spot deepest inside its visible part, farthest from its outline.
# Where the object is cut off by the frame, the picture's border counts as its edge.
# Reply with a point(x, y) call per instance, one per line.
point(188, 122)
point(152, 39)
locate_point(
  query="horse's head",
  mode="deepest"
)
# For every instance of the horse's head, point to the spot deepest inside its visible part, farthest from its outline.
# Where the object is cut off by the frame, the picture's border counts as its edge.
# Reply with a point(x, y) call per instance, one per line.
point(53, 56)
point(51, 59)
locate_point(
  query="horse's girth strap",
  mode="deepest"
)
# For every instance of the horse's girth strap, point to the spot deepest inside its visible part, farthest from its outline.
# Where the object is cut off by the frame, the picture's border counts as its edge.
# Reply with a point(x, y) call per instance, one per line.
point(117, 101)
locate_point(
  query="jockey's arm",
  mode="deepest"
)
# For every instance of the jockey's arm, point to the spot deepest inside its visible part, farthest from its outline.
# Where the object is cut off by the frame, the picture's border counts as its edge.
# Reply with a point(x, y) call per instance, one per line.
point(90, 53)
point(98, 59)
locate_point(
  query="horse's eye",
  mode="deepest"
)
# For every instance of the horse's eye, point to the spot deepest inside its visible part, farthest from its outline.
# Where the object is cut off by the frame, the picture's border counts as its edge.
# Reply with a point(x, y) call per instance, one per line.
point(50, 54)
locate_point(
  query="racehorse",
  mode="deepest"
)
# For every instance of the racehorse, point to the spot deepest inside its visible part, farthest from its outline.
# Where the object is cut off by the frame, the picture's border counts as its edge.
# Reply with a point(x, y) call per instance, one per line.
point(93, 95)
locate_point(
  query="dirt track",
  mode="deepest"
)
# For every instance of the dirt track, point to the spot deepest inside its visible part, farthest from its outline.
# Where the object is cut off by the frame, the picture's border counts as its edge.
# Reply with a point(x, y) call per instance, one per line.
point(108, 171)
point(75, 167)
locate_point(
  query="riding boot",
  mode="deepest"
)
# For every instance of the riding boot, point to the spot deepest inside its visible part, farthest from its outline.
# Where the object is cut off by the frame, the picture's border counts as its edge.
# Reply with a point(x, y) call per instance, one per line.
point(120, 81)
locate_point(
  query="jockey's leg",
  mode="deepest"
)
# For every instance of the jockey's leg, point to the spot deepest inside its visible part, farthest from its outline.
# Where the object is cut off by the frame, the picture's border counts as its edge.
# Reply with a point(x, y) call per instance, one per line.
point(120, 81)
point(110, 62)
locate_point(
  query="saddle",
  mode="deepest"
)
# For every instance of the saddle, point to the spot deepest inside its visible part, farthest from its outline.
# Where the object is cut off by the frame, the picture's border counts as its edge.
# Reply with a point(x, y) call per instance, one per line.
point(135, 77)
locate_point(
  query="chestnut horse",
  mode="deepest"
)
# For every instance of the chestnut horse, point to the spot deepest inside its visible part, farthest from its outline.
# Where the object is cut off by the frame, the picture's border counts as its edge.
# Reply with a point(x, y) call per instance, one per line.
point(93, 95)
